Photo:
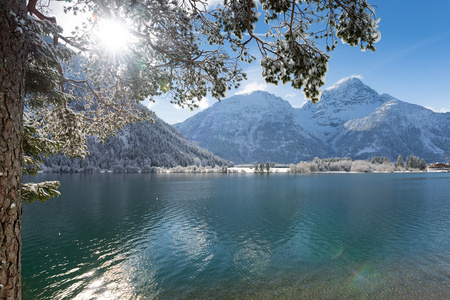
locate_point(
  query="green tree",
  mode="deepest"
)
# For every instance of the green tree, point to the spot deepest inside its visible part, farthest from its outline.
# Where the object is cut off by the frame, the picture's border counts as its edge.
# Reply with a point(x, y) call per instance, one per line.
point(423, 164)
point(408, 162)
point(174, 48)
point(413, 162)
point(399, 163)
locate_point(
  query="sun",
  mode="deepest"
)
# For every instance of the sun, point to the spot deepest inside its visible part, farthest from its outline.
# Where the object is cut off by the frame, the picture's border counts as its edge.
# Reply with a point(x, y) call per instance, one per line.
point(113, 35)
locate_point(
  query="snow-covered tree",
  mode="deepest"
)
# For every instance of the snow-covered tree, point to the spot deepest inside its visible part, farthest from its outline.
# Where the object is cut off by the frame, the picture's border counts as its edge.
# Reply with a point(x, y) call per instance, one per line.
point(139, 145)
point(361, 166)
point(399, 163)
point(174, 47)
point(423, 164)
point(414, 162)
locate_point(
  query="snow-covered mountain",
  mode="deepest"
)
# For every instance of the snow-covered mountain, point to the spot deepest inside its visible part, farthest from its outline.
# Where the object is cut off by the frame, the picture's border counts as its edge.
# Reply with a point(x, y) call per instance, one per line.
point(351, 120)
point(139, 146)
point(249, 128)
point(346, 100)
point(396, 127)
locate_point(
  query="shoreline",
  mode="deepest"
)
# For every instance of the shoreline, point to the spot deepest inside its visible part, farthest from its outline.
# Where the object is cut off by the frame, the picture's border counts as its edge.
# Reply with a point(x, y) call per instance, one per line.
point(242, 170)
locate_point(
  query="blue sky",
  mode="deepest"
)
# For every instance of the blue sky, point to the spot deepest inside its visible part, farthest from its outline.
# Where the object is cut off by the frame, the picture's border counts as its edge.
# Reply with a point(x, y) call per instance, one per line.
point(411, 62)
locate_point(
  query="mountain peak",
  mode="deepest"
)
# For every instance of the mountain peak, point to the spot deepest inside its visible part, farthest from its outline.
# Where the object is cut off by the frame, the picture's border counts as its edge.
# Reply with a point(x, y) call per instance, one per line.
point(350, 91)
point(351, 120)
point(257, 92)
point(257, 100)
point(257, 95)
point(348, 99)
point(352, 81)
point(243, 126)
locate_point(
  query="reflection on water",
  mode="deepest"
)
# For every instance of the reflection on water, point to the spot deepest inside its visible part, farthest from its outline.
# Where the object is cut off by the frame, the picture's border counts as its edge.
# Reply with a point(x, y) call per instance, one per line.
point(333, 236)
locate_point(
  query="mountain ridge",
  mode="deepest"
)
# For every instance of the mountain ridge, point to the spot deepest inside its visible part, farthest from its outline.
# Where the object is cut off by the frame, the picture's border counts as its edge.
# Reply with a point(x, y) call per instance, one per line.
point(138, 146)
point(248, 133)
point(351, 119)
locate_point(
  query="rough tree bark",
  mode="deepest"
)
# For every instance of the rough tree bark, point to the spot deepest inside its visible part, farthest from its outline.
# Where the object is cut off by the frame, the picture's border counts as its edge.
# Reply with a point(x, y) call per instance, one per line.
point(13, 54)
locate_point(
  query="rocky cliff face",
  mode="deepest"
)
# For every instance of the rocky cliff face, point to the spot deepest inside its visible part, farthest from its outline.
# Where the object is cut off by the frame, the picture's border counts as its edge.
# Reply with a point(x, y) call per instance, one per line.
point(255, 127)
point(351, 120)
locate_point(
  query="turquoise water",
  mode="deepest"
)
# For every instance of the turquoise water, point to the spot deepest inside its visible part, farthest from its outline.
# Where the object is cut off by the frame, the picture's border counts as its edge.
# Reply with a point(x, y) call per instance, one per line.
point(239, 236)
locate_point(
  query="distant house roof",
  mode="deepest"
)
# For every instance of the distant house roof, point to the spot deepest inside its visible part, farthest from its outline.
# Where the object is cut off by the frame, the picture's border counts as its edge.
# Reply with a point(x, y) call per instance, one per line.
point(439, 165)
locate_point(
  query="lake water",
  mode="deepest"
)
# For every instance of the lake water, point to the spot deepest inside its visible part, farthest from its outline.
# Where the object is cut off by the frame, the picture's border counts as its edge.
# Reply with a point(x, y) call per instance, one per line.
point(239, 236)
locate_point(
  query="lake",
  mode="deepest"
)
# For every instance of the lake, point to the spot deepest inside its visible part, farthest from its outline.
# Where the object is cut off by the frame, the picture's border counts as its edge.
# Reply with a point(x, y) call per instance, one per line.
point(240, 236)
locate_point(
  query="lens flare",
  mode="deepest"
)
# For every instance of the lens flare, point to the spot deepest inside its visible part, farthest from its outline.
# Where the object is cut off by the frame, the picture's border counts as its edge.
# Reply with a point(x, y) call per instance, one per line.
point(365, 278)
point(113, 35)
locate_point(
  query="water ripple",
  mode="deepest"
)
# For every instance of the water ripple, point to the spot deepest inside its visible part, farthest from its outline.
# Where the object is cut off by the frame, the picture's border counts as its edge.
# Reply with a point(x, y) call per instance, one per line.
point(238, 237)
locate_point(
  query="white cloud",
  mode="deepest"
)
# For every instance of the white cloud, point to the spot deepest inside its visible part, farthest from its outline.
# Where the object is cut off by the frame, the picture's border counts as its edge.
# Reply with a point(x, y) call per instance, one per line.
point(301, 105)
point(177, 107)
point(291, 95)
point(442, 110)
point(203, 104)
point(357, 76)
point(251, 87)
point(360, 77)
point(151, 104)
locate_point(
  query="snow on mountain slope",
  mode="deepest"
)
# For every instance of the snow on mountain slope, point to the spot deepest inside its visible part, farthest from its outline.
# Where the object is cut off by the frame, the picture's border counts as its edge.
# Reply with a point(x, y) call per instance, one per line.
point(351, 120)
point(346, 100)
point(255, 127)
point(140, 145)
point(396, 127)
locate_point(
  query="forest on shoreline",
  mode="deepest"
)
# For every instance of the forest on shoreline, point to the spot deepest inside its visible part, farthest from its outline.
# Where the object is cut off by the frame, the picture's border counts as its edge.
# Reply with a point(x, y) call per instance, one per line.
point(317, 165)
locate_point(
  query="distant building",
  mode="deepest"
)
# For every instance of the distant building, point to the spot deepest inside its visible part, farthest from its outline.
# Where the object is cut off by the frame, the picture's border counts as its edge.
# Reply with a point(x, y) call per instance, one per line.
point(438, 167)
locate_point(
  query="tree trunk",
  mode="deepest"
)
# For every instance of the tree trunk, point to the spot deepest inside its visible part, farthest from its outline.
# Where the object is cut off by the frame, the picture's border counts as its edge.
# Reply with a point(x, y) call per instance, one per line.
point(13, 54)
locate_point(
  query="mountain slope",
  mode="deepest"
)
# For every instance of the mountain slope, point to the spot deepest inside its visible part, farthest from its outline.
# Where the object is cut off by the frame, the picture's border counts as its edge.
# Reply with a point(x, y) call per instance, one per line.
point(351, 120)
point(396, 127)
point(140, 145)
point(249, 128)
point(346, 100)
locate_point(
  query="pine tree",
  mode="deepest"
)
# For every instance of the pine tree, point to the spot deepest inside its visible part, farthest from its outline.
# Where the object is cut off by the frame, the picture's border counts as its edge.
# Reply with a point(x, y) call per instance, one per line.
point(400, 163)
point(423, 164)
point(166, 55)
point(414, 162)
point(13, 55)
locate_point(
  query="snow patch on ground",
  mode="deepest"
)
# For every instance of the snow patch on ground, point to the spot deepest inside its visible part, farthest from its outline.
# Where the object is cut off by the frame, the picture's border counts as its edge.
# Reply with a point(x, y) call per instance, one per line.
point(366, 150)
point(251, 170)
